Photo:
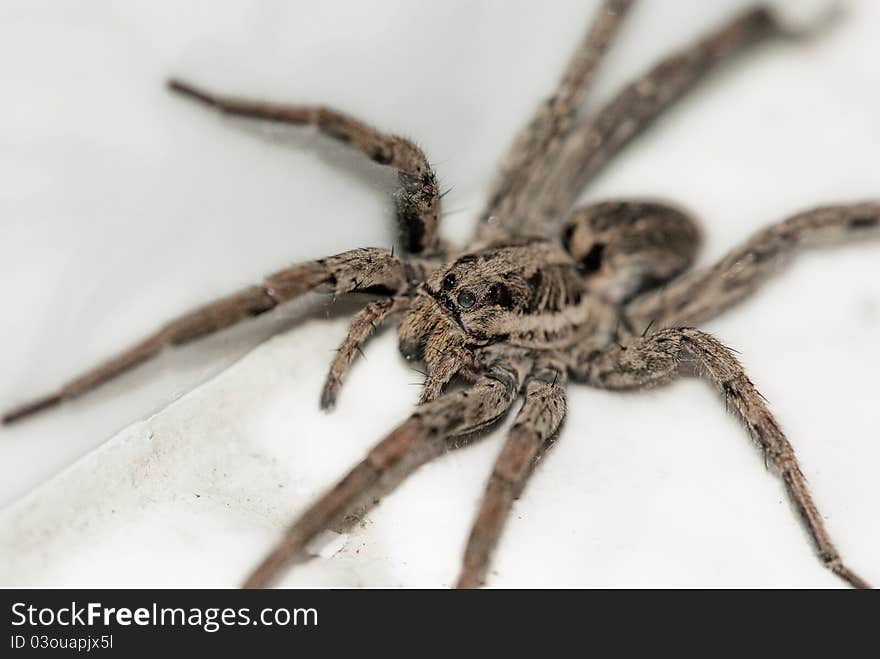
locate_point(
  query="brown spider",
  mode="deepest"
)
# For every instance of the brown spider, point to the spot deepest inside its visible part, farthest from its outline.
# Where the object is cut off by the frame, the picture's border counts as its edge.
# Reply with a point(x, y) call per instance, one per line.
point(544, 294)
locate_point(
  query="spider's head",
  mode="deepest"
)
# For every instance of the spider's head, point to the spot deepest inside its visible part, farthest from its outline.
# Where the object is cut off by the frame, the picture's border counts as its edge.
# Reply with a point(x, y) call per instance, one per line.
point(476, 290)
point(484, 297)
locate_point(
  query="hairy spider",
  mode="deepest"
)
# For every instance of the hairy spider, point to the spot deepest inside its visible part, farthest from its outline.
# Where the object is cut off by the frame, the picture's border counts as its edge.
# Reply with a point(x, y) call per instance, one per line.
point(545, 293)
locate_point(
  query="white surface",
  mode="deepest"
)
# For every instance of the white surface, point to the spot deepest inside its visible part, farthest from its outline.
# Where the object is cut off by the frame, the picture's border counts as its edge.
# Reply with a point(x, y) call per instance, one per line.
point(122, 205)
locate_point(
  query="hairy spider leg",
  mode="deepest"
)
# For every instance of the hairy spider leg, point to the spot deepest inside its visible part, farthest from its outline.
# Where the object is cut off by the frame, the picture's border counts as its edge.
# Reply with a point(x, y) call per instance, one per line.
point(422, 437)
point(418, 201)
point(544, 202)
point(536, 146)
point(538, 420)
point(360, 270)
point(702, 295)
point(657, 358)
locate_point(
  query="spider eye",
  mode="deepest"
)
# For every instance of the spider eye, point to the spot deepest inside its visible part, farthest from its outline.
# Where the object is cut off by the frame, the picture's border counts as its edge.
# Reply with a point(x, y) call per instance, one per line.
point(448, 282)
point(466, 299)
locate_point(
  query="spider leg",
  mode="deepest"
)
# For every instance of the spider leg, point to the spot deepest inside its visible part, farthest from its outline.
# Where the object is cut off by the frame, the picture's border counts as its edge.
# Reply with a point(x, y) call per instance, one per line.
point(361, 270)
point(452, 362)
point(418, 203)
point(539, 418)
point(536, 145)
point(422, 437)
point(362, 327)
point(591, 145)
point(700, 296)
point(657, 358)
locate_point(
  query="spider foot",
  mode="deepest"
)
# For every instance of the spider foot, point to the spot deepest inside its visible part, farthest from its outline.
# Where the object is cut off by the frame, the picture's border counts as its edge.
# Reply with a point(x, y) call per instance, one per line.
point(842, 571)
point(22, 411)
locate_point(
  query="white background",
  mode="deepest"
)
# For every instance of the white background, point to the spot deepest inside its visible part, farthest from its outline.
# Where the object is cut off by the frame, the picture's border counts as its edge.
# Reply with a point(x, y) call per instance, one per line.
point(121, 205)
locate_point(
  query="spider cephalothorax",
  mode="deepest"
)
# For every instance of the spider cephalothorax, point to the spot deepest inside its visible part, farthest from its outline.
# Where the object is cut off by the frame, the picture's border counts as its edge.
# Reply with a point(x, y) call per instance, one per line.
point(526, 294)
point(546, 293)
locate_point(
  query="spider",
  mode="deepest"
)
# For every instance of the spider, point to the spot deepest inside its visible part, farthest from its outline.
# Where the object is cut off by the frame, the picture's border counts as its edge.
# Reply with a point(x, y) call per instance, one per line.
point(545, 294)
